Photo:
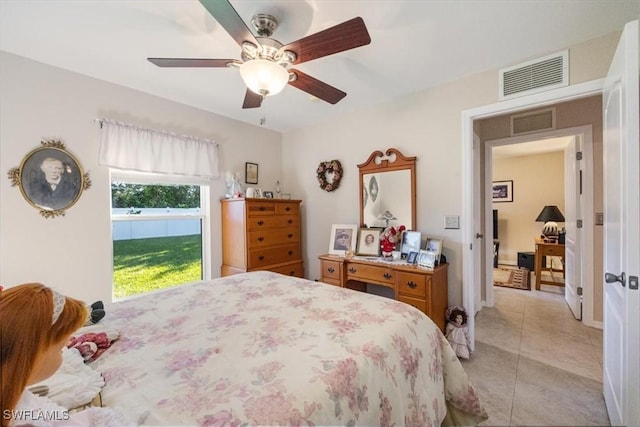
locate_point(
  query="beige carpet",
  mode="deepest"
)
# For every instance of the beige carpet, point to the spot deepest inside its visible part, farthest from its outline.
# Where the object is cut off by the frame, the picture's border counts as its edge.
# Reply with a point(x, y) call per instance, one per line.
point(517, 278)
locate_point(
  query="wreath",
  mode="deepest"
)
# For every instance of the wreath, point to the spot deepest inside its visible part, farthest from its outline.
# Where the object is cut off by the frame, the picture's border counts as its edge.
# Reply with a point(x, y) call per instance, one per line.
point(333, 167)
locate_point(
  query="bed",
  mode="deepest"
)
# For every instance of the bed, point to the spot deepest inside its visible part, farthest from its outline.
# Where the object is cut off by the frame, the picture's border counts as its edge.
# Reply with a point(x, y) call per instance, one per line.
point(261, 348)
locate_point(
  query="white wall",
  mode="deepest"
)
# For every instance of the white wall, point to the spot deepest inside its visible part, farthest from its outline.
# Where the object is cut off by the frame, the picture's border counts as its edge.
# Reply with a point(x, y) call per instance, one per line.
point(426, 125)
point(73, 253)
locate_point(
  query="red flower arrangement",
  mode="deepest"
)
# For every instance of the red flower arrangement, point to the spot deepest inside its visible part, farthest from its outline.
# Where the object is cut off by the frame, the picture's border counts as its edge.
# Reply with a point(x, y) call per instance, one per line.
point(390, 236)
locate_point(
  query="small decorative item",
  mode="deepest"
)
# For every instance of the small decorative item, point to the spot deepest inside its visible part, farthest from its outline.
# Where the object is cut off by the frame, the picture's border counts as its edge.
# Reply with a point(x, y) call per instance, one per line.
point(502, 191)
point(268, 194)
point(251, 173)
point(343, 238)
point(234, 188)
point(369, 241)
point(412, 257)
point(435, 246)
point(278, 189)
point(329, 175)
point(50, 178)
point(457, 331)
point(286, 196)
point(391, 236)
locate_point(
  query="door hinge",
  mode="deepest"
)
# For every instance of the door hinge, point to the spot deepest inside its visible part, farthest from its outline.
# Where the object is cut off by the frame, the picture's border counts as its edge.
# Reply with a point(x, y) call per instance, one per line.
point(578, 155)
point(579, 291)
point(579, 223)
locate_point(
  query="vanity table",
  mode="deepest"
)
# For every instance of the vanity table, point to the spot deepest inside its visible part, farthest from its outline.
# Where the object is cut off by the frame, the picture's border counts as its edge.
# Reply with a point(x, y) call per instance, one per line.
point(420, 287)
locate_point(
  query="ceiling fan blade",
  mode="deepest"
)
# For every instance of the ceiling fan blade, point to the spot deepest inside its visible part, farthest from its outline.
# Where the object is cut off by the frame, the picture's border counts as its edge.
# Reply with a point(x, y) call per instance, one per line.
point(229, 19)
point(348, 35)
point(317, 88)
point(252, 100)
point(190, 62)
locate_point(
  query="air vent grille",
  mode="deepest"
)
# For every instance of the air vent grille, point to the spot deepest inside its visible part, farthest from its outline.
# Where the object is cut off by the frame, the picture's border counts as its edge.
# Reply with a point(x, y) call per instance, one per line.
point(535, 76)
point(535, 121)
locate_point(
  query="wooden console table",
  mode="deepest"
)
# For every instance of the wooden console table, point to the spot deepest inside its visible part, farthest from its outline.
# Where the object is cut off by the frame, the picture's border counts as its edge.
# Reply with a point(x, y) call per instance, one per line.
point(548, 249)
point(425, 289)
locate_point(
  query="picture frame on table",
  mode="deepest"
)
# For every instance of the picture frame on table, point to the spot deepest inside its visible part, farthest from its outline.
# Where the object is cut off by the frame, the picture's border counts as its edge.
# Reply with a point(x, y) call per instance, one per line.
point(268, 194)
point(427, 259)
point(251, 173)
point(369, 241)
point(502, 191)
point(412, 258)
point(435, 246)
point(343, 238)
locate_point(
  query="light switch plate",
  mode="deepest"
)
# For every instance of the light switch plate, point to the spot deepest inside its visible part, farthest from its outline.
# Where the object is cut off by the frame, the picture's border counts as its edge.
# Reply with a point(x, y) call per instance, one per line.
point(452, 221)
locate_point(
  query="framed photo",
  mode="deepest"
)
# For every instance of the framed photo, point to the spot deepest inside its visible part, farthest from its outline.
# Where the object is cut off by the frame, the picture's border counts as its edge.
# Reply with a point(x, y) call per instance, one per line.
point(251, 173)
point(426, 259)
point(50, 179)
point(285, 196)
point(412, 258)
point(343, 238)
point(411, 242)
point(268, 194)
point(435, 246)
point(369, 241)
point(502, 191)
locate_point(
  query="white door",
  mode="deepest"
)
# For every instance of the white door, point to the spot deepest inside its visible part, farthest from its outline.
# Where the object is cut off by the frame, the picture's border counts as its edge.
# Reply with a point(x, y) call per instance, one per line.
point(621, 353)
point(573, 237)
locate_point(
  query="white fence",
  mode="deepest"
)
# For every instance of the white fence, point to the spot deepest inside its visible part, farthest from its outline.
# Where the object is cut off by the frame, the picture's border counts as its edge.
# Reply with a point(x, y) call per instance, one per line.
point(142, 225)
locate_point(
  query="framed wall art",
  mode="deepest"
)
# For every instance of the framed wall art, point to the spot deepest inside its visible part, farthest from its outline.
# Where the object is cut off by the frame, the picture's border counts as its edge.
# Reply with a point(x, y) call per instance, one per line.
point(251, 173)
point(502, 191)
point(50, 179)
point(343, 238)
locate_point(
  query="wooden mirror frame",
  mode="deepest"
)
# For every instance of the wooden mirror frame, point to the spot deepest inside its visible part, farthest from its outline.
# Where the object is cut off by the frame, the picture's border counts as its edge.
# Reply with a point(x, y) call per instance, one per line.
point(381, 162)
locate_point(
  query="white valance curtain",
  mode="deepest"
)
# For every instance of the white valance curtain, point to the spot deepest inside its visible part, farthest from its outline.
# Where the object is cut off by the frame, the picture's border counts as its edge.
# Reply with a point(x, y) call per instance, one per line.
point(129, 147)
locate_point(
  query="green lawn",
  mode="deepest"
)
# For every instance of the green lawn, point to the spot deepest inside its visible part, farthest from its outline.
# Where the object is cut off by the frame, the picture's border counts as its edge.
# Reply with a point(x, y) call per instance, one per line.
point(143, 265)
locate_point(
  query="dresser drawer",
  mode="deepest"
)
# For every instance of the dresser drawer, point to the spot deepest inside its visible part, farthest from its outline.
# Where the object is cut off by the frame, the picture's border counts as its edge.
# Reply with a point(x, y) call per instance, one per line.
point(273, 255)
point(420, 304)
point(287, 208)
point(274, 236)
point(295, 269)
point(412, 284)
point(552, 250)
point(330, 270)
point(258, 222)
point(260, 208)
point(371, 273)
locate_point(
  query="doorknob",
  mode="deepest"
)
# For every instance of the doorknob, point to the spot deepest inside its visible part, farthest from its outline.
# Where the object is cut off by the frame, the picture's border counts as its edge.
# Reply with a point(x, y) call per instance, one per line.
point(612, 278)
point(479, 235)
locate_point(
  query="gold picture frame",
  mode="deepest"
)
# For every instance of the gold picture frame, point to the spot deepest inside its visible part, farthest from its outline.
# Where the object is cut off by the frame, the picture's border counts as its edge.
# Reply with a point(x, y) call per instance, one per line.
point(369, 241)
point(50, 178)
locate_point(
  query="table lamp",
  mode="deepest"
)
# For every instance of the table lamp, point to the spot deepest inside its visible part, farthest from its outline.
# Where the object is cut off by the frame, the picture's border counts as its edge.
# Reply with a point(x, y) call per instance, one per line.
point(551, 216)
point(387, 216)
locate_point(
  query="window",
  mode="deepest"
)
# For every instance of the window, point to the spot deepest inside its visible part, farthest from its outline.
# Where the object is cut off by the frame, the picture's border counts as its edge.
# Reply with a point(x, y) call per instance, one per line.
point(159, 231)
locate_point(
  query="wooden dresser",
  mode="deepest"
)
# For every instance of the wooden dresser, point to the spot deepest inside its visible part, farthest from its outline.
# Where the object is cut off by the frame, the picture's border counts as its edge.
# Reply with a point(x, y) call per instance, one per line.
point(427, 290)
point(261, 234)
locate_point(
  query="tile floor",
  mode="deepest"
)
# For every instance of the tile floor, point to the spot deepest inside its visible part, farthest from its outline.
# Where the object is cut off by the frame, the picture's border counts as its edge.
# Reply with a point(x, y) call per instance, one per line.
point(534, 364)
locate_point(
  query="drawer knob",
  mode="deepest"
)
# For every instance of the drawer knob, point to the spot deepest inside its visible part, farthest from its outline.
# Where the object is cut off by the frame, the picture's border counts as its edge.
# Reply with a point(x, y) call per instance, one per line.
point(287, 209)
point(290, 221)
point(352, 270)
point(260, 222)
point(412, 285)
point(261, 257)
point(290, 235)
point(387, 276)
point(290, 253)
point(261, 208)
point(260, 239)
point(292, 273)
point(331, 269)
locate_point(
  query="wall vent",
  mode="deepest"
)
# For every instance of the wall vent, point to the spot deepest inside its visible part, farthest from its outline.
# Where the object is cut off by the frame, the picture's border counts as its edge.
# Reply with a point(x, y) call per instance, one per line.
point(538, 75)
point(534, 121)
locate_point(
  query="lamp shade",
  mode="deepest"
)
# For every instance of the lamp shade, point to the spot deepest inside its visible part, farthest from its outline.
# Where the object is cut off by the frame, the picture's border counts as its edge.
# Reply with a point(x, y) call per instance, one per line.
point(264, 77)
point(550, 213)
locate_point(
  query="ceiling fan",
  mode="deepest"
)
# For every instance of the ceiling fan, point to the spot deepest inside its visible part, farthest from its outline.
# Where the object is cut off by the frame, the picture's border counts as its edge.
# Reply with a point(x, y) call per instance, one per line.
point(265, 61)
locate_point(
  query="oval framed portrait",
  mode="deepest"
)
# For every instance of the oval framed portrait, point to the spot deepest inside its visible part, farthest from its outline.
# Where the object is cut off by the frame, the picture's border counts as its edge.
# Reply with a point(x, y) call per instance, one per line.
point(51, 178)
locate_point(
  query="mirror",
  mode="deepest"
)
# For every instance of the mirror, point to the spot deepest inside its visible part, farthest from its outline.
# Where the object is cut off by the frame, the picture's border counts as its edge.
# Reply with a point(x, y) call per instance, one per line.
point(388, 189)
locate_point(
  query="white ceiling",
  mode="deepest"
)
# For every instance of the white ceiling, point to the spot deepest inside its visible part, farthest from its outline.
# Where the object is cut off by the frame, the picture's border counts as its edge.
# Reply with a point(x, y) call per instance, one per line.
point(415, 45)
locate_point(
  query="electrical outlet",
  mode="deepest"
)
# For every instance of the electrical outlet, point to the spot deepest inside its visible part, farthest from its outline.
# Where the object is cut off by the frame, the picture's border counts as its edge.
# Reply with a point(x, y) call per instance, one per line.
point(452, 221)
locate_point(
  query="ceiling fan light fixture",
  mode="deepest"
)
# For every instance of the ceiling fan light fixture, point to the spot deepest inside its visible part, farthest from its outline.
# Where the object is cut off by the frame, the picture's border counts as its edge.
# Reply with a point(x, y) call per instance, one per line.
point(264, 77)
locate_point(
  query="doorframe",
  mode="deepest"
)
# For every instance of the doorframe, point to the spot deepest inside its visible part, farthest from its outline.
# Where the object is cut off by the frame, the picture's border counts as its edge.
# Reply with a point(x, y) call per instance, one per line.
point(471, 283)
point(585, 132)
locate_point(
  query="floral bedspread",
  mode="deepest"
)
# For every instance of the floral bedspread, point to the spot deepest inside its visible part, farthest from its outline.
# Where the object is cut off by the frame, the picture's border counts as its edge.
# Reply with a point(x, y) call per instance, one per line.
point(265, 349)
